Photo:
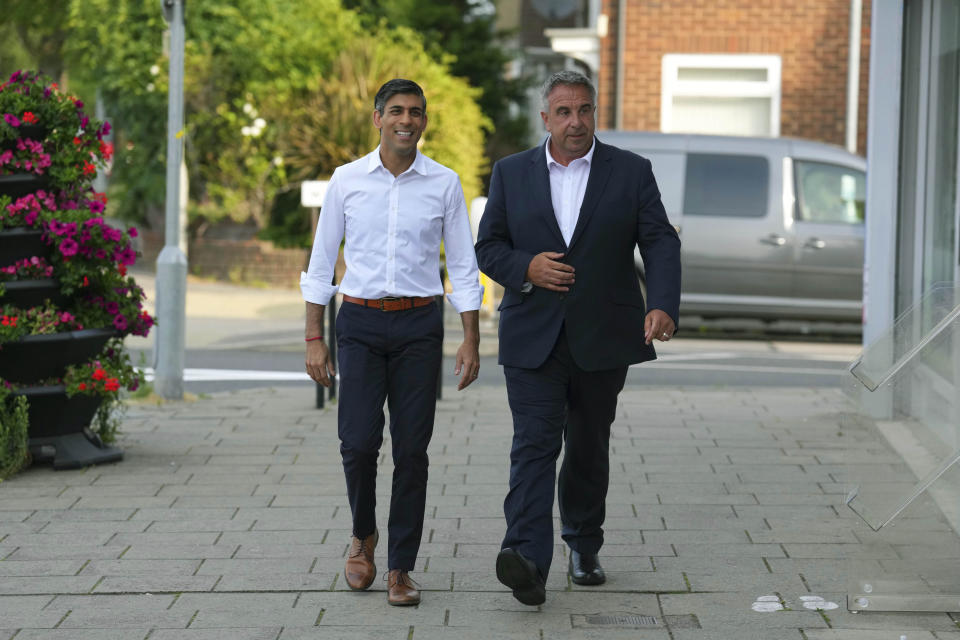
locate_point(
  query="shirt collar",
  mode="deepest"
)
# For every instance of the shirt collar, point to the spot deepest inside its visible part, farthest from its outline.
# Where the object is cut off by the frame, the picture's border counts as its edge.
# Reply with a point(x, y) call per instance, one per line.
point(419, 162)
point(588, 157)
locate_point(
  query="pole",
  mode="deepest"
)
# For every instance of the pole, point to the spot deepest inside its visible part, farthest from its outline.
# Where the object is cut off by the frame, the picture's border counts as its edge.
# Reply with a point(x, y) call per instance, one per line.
point(172, 262)
point(853, 75)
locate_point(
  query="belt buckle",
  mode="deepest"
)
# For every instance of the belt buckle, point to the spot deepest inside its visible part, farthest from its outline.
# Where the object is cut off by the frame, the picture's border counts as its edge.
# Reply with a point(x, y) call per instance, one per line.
point(382, 300)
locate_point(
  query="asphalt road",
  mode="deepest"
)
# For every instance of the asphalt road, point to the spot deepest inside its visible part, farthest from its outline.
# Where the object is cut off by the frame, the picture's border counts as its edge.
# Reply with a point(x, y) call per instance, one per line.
point(688, 362)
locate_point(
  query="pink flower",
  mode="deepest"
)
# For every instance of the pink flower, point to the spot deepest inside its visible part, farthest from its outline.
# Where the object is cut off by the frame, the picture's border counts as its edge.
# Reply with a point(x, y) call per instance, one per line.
point(95, 206)
point(11, 120)
point(68, 247)
point(120, 322)
point(126, 257)
point(132, 231)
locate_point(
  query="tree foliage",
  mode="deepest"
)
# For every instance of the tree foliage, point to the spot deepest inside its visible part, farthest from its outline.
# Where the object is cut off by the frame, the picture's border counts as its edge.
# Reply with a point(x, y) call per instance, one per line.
point(274, 92)
point(464, 32)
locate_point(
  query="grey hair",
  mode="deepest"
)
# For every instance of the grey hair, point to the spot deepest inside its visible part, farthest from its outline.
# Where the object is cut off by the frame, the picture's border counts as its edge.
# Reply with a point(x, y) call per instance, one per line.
point(569, 78)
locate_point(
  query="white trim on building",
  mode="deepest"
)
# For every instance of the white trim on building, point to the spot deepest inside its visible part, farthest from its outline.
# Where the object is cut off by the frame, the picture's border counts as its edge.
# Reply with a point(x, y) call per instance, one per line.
point(721, 93)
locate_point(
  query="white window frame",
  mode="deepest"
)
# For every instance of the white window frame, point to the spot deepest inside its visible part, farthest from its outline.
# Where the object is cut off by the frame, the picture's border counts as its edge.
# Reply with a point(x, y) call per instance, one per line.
point(672, 86)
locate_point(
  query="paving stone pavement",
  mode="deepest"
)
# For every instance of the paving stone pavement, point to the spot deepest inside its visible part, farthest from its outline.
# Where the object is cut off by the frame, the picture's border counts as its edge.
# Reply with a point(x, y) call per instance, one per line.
point(227, 519)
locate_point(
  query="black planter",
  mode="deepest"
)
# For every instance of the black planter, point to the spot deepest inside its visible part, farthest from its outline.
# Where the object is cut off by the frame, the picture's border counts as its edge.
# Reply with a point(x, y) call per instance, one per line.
point(17, 185)
point(20, 243)
point(36, 357)
point(35, 132)
point(60, 429)
point(30, 293)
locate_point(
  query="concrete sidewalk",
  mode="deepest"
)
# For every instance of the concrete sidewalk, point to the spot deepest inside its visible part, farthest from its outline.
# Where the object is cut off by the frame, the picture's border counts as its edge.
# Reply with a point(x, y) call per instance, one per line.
point(228, 519)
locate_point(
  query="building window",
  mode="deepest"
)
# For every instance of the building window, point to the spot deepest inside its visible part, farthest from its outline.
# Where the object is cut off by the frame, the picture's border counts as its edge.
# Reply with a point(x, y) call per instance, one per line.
point(721, 94)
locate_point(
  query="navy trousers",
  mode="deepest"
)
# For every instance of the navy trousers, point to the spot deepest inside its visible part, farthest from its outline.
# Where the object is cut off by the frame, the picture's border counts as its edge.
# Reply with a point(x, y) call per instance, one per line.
point(393, 356)
point(553, 405)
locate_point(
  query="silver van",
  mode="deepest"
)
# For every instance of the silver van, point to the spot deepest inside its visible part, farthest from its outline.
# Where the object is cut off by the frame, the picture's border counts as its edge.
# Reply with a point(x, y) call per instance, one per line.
point(771, 228)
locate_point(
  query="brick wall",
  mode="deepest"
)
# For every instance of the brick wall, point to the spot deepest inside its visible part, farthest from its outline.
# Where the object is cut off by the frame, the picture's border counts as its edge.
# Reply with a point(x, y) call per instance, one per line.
point(810, 37)
point(238, 261)
point(250, 261)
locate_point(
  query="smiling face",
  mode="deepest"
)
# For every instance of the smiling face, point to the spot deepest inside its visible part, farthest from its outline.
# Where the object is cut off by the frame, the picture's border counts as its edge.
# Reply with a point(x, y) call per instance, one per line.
point(401, 124)
point(570, 122)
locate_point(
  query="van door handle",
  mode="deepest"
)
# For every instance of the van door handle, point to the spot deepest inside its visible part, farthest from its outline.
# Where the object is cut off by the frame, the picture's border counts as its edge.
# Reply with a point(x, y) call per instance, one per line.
point(774, 239)
point(814, 243)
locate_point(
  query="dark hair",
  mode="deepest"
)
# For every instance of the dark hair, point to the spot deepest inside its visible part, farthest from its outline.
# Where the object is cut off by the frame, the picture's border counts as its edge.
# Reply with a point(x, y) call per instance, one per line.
point(568, 78)
point(392, 88)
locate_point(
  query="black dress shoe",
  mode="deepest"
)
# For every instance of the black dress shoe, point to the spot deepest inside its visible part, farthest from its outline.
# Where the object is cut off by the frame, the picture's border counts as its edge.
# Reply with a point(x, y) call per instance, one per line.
point(585, 569)
point(521, 575)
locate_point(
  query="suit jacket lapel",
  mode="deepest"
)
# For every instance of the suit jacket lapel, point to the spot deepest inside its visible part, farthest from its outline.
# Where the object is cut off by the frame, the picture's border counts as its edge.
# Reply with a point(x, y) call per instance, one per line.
point(596, 181)
point(540, 191)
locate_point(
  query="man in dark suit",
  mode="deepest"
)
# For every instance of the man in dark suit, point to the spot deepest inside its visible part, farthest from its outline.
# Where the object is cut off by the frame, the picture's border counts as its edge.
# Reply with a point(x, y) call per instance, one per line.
point(558, 232)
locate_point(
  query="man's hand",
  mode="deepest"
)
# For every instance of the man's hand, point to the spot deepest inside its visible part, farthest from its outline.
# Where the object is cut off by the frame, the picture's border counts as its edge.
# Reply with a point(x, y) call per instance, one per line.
point(468, 361)
point(658, 325)
point(544, 271)
point(318, 362)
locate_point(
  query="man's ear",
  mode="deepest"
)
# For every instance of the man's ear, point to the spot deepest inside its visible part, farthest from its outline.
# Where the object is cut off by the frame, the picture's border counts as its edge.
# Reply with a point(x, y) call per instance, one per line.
point(377, 122)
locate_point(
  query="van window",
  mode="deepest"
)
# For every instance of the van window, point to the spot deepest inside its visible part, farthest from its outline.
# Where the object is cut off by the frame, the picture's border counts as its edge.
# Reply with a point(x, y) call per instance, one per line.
point(726, 185)
point(830, 193)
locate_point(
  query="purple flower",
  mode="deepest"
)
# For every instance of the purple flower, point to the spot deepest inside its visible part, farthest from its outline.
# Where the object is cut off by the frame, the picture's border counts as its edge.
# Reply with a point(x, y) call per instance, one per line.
point(112, 307)
point(84, 121)
point(11, 119)
point(95, 206)
point(120, 322)
point(126, 257)
point(68, 247)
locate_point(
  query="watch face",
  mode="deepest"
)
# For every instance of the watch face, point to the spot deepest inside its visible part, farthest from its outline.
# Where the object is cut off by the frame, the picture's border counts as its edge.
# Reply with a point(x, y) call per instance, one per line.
point(555, 9)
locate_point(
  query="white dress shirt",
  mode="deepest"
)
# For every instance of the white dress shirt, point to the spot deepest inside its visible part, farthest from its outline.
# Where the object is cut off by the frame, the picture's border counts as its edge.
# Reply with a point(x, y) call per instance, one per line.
point(568, 184)
point(392, 226)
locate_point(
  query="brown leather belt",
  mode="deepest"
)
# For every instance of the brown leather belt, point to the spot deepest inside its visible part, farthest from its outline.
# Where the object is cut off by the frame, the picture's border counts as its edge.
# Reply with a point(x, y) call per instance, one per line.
point(389, 304)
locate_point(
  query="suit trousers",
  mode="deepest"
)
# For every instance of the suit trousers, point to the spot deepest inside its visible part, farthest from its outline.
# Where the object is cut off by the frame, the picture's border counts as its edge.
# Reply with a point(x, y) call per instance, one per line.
point(559, 404)
point(393, 356)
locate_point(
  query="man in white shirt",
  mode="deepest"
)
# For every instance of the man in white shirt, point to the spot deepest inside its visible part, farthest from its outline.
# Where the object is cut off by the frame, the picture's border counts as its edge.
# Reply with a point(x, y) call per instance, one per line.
point(392, 208)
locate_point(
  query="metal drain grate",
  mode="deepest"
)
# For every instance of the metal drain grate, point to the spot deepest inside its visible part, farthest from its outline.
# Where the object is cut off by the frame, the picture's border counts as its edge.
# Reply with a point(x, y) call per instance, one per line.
point(623, 621)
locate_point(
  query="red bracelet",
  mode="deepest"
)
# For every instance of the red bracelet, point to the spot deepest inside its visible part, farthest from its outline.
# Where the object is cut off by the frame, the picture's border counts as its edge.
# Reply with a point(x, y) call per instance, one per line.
point(313, 338)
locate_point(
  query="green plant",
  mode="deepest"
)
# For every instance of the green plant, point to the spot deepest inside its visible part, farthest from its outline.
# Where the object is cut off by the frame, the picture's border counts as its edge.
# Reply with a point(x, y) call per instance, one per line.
point(14, 454)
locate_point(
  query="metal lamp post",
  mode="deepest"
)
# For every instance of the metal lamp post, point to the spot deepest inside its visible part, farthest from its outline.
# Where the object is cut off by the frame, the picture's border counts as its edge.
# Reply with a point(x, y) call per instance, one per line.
point(168, 354)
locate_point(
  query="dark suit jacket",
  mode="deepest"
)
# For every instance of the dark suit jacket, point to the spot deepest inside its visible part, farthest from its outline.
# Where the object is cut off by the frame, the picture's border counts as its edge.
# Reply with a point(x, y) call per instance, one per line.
point(604, 310)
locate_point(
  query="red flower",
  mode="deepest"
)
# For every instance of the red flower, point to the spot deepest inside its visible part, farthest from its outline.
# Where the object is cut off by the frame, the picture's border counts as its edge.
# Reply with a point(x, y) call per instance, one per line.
point(99, 374)
point(112, 384)
point(106, 150)
point(122, 269)
point(86, 281)
point(29, 118)
point(88, 169)
point(77, 141)
point(82, 386)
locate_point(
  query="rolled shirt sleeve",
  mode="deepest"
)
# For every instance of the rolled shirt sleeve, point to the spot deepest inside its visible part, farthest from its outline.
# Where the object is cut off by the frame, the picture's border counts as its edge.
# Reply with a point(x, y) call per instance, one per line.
point(316, 283)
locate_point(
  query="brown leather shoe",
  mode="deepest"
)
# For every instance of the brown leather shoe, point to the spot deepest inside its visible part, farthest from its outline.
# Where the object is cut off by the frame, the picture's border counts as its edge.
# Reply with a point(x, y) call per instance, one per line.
point(401, 590)
point(360, 570)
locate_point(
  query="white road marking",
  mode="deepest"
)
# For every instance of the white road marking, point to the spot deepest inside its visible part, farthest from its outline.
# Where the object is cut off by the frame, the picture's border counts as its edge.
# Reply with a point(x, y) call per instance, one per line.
point(817, 602)
point(739, 368)
point(767, 604)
